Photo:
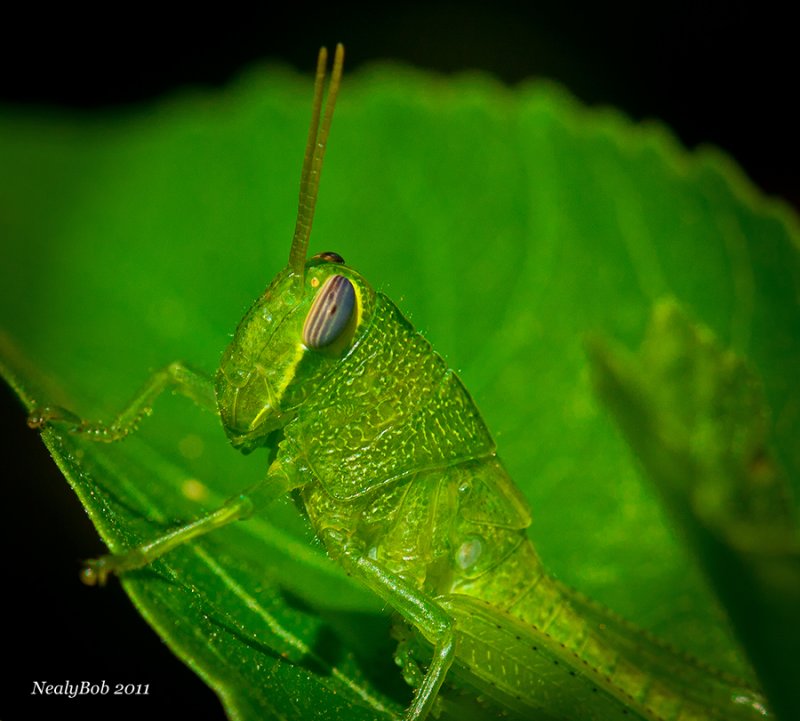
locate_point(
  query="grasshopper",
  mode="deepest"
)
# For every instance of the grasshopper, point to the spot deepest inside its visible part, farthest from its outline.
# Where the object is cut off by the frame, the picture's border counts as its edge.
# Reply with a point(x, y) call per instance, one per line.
point(401, 480)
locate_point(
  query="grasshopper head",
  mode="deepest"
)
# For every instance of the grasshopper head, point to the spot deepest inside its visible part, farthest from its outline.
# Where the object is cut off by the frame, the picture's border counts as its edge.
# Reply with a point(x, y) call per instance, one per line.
point(288, 343)
point(305, 320)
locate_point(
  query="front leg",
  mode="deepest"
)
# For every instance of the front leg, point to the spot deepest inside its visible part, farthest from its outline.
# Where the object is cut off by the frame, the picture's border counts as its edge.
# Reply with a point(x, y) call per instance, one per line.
point(415, 607)
point(193, 384)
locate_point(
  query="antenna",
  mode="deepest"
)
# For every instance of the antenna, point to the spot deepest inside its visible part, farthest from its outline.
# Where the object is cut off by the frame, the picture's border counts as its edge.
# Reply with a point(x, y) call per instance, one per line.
point(315, 152)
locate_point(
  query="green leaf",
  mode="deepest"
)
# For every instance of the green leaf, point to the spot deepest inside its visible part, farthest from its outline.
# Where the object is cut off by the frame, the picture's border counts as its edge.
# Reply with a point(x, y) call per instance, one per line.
point(506, 224)
point(694, 414)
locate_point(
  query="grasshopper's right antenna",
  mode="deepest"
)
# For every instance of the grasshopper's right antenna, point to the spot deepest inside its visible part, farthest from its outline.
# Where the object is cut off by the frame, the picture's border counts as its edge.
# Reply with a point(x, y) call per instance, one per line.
point(315, 152)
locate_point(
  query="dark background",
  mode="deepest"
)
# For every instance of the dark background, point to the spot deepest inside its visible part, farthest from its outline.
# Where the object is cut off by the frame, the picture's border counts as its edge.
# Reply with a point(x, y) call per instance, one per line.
point(721, 73)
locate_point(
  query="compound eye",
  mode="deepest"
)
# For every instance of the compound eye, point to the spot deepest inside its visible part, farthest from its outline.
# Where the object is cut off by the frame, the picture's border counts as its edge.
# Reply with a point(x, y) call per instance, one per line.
point(330, 314)
point(330, 257)
point(327, 256)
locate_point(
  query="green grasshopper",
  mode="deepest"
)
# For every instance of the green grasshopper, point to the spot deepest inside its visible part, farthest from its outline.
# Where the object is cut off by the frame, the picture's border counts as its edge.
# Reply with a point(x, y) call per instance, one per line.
point(401, 480)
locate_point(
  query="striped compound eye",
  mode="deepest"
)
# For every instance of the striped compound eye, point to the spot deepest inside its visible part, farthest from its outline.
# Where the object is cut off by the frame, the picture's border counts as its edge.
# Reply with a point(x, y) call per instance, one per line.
point(330, 314)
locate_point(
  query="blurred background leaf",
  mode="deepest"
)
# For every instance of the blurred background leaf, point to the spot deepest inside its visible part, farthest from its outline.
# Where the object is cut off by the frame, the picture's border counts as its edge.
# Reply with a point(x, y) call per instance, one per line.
point(693, 413)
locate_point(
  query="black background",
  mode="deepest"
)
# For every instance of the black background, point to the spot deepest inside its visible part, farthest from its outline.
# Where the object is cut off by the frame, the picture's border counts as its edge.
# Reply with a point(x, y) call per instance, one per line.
point(721, 73)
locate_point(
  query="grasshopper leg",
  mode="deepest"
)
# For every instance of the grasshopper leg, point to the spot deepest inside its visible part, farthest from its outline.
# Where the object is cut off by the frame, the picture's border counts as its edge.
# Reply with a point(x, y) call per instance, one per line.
point(417, 609)
point(97, 570)
point(177, 376)
point(241, 507)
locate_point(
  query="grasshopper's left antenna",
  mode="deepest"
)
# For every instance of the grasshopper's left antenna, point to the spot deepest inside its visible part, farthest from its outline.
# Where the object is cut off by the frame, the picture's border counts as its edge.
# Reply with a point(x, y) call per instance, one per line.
point(315, 152)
